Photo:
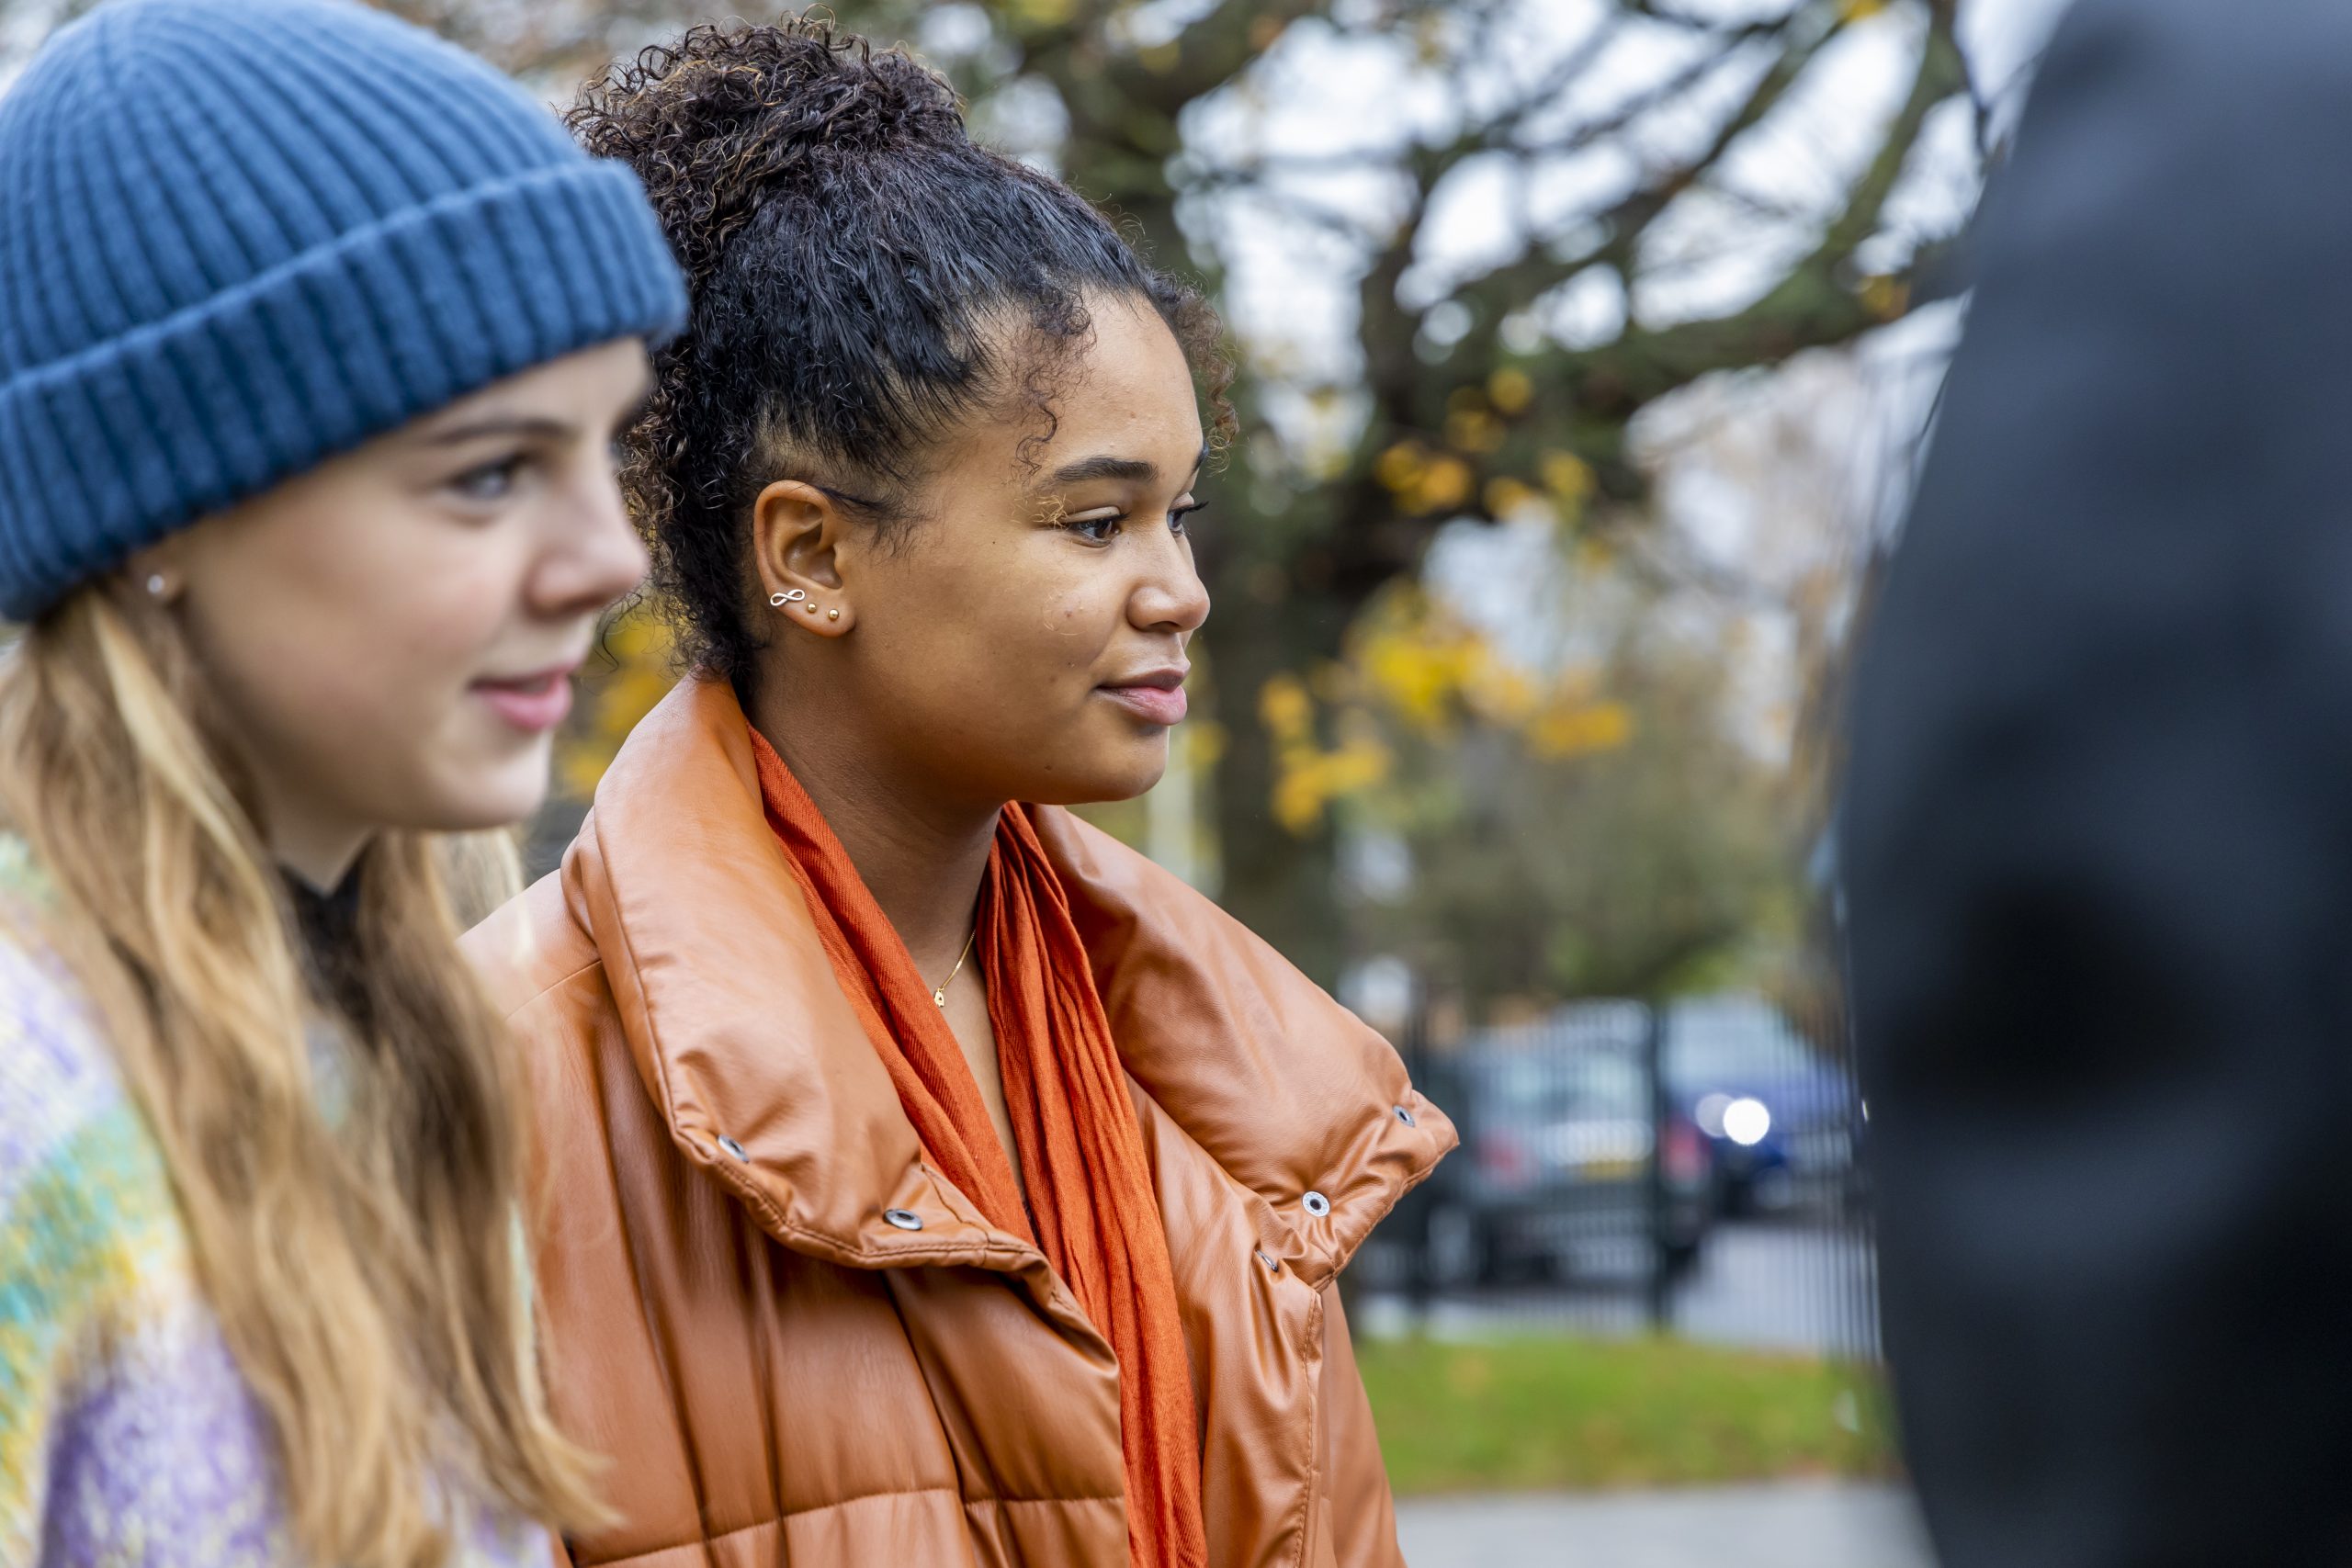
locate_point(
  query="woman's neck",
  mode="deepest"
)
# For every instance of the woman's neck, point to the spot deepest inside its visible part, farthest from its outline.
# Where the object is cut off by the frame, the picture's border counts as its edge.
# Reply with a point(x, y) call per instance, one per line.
point(921, 858)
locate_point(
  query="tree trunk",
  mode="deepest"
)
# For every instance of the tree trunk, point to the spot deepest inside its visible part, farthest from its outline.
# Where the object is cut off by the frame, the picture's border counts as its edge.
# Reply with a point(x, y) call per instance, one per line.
point(1279, 884)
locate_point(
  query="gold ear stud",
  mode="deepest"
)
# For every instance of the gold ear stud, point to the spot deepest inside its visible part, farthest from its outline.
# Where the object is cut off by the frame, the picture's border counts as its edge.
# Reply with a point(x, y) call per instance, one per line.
point(833, 614)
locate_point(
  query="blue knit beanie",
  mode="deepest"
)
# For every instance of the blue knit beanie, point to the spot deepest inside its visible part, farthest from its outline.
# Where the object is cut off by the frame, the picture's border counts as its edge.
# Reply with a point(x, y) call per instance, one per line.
point(239, 236)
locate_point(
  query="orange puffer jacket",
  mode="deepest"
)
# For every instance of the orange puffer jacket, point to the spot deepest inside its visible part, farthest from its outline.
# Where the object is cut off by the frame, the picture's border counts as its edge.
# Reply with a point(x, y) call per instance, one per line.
point(800, 1343)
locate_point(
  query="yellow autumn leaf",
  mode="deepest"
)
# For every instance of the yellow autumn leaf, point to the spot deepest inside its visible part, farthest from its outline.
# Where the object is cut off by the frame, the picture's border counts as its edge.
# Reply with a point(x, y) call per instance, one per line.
point(1504, 695)
point(1415, 680)
point(1474, 430)
point(1567, 476)
point(1506, 496)
point(1308, 781)
point(1446, 482)
point(1578, 730)
point(1285, 709)
point(1510, 390)
point(641, 645)
point(1298, 805)
point(579, 771)
point(1356, 767)
point(1399, 467)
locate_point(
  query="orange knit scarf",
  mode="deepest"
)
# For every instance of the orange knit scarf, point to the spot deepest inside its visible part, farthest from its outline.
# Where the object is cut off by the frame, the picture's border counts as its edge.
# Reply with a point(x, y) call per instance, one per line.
point(1090, 1185)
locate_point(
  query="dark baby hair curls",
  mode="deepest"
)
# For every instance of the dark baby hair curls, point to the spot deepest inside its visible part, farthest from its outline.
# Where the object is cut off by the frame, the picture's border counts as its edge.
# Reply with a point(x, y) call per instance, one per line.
point(865, 278)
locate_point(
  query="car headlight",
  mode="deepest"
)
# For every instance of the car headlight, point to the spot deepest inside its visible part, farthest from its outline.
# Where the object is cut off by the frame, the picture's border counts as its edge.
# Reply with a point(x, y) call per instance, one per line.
point(1746, 1120)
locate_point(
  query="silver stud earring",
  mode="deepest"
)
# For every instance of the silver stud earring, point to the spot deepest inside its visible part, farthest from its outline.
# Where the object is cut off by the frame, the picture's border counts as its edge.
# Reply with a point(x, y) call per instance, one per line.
point(792, 597)
point(155, 585)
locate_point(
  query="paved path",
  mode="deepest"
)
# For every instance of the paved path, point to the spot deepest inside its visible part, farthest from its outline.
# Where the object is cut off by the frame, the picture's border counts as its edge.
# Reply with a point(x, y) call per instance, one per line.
point(1800, 1525)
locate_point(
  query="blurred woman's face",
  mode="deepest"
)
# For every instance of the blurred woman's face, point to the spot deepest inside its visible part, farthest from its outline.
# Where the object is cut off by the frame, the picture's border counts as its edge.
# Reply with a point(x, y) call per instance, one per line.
point(392, 636)
point(1025, 638)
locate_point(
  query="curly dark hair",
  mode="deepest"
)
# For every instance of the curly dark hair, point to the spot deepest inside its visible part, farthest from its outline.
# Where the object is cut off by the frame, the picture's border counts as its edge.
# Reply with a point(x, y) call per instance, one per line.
point(865, 279)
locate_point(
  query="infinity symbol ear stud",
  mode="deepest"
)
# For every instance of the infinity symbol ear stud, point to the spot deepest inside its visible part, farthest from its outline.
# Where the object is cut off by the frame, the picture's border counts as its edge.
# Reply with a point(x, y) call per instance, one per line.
point(793, 596)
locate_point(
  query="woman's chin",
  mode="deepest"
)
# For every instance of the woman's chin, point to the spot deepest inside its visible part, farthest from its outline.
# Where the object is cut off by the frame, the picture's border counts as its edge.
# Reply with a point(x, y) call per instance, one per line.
point(474, 795)
point(1107, 780)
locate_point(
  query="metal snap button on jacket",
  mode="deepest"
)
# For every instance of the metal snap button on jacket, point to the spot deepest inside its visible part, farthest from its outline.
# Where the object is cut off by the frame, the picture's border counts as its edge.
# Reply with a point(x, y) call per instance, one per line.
point(732, 1147)
point(1316, 1204)
point(905, 1219)
point(1404, 1116)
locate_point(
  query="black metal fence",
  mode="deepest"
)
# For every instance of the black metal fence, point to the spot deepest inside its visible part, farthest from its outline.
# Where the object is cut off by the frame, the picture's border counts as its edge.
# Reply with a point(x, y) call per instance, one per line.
point(1695, 1166)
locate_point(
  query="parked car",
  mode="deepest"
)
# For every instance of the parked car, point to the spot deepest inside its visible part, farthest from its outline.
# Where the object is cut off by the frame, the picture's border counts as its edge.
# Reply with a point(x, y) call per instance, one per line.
point(1554, 1166)
point(1779, 1116)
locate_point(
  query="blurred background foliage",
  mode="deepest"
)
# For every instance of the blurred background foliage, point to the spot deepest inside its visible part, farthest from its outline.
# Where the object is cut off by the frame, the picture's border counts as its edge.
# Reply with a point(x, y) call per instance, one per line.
point(1483, 710)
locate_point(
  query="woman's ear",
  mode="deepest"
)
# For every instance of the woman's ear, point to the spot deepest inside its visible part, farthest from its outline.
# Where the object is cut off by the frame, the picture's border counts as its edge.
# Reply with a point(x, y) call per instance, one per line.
point(159, 571)
point(796, 534)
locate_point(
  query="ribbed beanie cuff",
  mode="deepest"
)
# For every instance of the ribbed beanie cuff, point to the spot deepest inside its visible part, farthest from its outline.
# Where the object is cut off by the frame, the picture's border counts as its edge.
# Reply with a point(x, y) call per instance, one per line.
point(314, 356)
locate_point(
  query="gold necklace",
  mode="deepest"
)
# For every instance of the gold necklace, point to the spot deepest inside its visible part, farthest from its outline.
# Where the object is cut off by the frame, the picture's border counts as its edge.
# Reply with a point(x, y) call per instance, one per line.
point(939, 994)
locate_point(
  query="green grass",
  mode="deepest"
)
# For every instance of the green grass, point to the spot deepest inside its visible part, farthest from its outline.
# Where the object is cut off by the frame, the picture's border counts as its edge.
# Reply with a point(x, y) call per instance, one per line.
point(1571, 1414)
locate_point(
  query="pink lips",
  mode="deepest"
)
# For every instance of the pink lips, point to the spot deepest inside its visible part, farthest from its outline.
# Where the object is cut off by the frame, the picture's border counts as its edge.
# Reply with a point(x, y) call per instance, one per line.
point(534, 703)
point(1157, 697)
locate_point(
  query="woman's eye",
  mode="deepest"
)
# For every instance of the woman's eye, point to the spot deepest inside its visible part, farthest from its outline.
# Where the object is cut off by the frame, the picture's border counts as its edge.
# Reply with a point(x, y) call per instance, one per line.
point(1179, 518)
point(1097, 530)
point(491, 482)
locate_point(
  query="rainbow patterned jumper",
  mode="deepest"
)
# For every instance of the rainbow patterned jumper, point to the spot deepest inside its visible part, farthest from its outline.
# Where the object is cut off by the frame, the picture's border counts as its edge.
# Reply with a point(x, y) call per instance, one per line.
point(128, 1437)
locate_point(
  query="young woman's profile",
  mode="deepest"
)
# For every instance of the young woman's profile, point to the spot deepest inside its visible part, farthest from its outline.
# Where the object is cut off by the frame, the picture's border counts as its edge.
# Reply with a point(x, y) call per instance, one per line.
point(939, 1182)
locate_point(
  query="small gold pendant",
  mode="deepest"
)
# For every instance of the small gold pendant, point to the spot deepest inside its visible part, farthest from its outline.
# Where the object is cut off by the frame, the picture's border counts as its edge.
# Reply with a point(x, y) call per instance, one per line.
point(939, 992)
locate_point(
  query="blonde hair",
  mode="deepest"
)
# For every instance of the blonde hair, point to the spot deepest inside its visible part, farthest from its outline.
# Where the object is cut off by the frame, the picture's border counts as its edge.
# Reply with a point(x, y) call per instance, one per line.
point(480, 872)
point(362, 1261)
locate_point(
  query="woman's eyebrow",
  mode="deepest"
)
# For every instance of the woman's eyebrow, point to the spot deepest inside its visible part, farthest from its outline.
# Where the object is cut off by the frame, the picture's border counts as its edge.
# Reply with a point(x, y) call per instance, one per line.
point(503, 425)
point(1136, 469)
point(1106, 467)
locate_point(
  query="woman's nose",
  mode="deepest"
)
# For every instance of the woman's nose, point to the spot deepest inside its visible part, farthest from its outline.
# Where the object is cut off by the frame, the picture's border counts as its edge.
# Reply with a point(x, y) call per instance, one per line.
point(597, 557)
point(1173, 596)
